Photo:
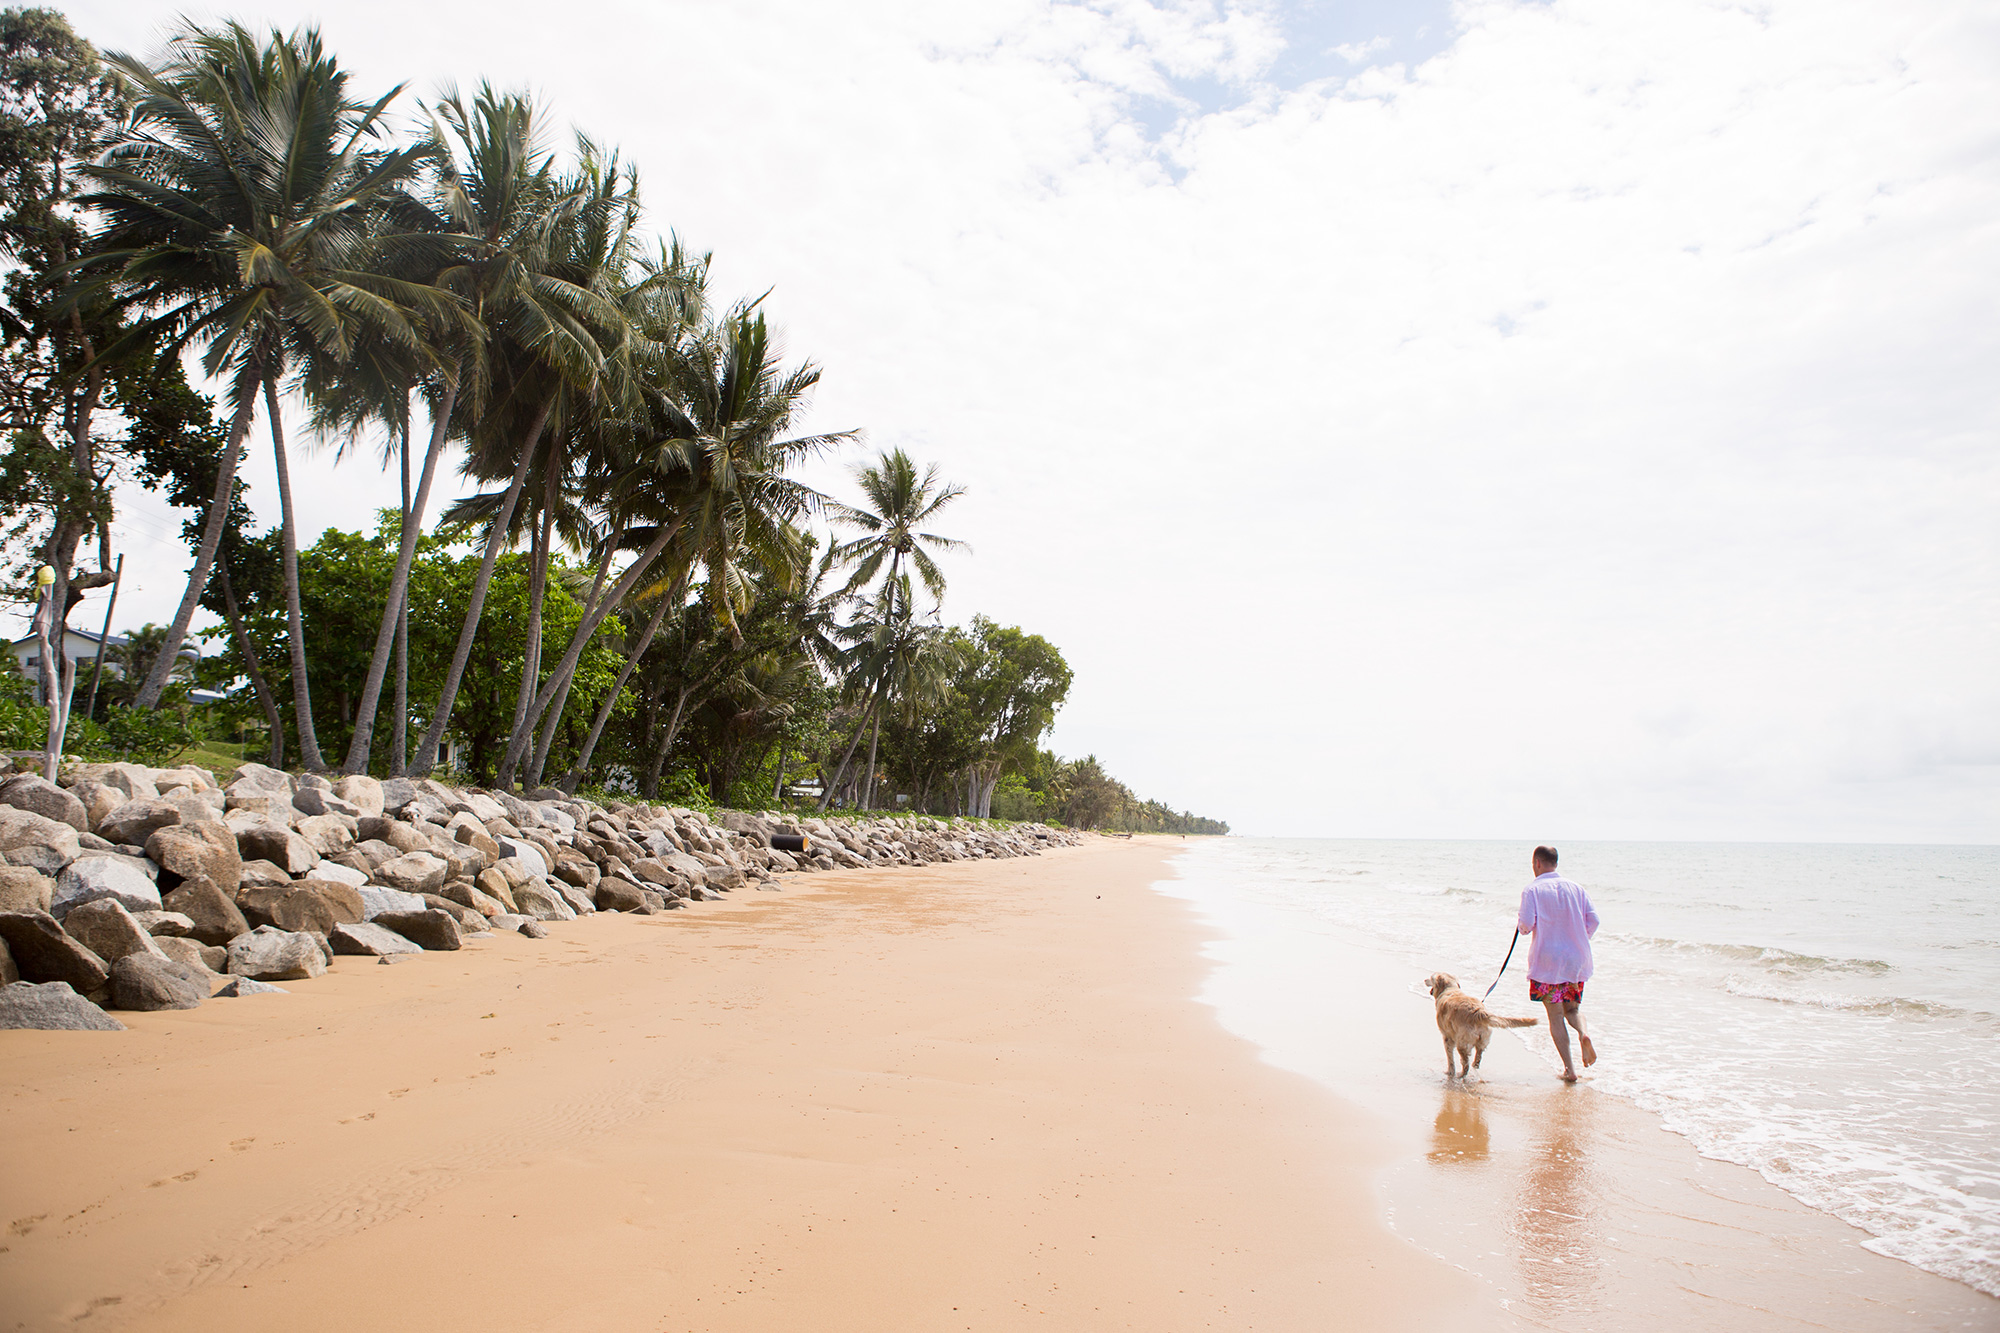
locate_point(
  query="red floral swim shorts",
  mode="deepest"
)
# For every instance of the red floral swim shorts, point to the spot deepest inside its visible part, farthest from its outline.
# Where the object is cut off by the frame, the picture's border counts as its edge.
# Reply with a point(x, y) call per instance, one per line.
point(1565, 991)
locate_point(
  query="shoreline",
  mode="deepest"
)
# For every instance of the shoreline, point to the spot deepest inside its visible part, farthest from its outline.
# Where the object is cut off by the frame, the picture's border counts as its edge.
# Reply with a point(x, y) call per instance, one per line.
point(1572, 1207)
point(973, 1095)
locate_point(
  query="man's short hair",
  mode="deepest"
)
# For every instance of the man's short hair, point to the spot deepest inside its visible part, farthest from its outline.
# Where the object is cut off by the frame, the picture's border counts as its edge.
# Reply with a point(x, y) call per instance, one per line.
point(1546, 856)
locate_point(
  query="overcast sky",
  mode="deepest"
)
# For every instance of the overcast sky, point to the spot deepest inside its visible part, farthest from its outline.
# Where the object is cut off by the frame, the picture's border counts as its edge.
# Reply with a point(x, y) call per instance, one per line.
point(1568, 420)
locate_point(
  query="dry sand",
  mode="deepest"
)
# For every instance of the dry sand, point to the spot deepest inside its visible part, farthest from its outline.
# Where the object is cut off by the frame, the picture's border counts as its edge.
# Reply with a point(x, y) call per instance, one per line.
point(974, 1096)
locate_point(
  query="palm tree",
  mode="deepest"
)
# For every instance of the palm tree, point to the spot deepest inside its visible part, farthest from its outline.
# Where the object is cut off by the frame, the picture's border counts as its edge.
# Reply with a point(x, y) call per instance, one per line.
point(544, 332)
point(239, 212)
point(891, 661)
point(901, 501)
point(718, 470)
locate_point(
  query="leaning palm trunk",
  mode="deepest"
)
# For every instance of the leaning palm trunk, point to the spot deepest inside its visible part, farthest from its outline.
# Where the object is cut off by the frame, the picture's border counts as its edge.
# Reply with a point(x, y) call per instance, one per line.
point(565, 669)
point(826, 796)
point(496, 535)
point(261, 687)
point(665, 746)
point(531, 654)
point(874, 740)
point(204, 556)
point(399, 723)
point(395, 618)
point(552, 715)
point(574, 778)
point(302, 717)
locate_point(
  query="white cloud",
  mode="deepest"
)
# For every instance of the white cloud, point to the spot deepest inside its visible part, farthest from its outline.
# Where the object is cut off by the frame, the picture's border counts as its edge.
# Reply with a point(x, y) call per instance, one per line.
point(1586, 432)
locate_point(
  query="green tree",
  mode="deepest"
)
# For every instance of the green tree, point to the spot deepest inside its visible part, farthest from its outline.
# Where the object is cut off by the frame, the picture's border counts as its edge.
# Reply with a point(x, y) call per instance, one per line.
point(238, 211)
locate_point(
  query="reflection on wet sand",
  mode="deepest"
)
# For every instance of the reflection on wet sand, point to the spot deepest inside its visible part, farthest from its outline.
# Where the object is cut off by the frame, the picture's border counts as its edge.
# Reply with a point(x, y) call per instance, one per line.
point(1555, 1219)
point(1459, 1134)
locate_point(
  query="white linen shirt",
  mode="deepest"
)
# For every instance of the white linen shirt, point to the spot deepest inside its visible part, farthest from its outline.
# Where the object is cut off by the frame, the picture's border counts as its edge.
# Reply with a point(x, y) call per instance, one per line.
point(1558, 913)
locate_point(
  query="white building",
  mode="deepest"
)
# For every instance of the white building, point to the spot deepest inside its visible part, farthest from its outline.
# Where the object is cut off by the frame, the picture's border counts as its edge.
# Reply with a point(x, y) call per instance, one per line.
point(80, 646)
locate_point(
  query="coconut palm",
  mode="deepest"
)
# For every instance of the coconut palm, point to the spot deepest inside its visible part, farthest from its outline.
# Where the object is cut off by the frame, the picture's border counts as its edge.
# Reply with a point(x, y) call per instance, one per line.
point(240, 214)
point(900, 501)
point(890, 662)
point(545, 325)
point(717, 469)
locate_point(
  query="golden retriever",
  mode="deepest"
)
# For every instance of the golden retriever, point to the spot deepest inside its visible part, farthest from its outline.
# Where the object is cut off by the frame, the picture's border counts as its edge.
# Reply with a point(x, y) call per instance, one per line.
point(1466, 1025)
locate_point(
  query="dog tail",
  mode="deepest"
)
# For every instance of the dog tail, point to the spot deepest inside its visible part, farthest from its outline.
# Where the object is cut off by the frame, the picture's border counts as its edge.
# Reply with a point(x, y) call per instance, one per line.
point(1502, 1021)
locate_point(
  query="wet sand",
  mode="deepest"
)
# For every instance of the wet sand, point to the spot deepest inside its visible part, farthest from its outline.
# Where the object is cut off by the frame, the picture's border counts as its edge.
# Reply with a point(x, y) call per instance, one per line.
point(1573, 1209)
point(974, 1096)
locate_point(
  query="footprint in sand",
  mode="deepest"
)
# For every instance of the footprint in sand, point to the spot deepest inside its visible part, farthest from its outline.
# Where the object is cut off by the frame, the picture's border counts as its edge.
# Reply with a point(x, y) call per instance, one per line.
point(241, 1145)
point(350, 1119)
point(21, 1226)
point(397, 1092)
point(181, 1179)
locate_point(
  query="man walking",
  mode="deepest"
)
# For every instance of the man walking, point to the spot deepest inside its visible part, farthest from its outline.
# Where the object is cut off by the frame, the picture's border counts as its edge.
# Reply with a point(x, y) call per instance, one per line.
point(1558, 914)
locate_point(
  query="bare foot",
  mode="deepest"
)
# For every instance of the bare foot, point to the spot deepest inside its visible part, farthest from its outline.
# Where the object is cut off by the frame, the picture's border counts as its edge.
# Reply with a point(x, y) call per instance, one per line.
point(1589, 1051)
point(1569, 1076)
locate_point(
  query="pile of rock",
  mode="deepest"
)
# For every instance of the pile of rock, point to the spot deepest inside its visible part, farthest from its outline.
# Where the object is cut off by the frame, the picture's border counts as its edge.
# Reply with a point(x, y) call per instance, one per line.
point(137, 888)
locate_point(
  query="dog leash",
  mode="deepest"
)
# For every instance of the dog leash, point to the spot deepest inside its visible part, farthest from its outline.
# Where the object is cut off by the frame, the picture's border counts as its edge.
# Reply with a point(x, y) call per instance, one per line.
point(1503, 967)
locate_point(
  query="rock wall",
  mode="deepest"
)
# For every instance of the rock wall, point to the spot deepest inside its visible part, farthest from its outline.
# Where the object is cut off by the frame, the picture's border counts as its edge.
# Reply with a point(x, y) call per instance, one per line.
point(139, 888)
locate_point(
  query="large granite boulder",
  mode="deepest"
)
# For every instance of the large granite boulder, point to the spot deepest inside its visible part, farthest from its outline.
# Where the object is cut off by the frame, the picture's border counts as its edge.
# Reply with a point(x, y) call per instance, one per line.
point(108, 930)
point(470, 832)
point(314, 905)
point(578, 900)
point(339, 873)
point(136, 820)
point(413, 872)
point(326, 834)
point(25, 890)
point(574, 869)
point(216, 917)
point(37, 795)
point(43, 951)
point(260, 778)
point(190, 777)
point(469, 921)
point(375, 900)
point(135, 780)
point(617, 895)
point(362, 792)
point(494, 885)
point(149, 982)
point(197, 851)
point(269, 840)
point(44, 840)
point(259, 872)
point(403, 837)
point(429, 929)
point(467, 894)
point(89, 878)
point(164, 924)
point(536, 899)
point(529, 854)
point(97, 799)
point(370, 939)
point(52, 1007)
point(270, 954)
point(322, 801)
point(193, 952)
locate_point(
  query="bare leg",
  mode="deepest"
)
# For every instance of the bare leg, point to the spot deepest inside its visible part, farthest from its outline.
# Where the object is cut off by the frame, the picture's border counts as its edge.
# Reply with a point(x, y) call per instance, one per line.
point(1559, 1031)
point(1573, 1011)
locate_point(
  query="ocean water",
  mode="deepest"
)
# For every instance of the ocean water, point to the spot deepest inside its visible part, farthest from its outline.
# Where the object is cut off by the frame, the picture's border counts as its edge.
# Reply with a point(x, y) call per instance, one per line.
point(1827, 1015)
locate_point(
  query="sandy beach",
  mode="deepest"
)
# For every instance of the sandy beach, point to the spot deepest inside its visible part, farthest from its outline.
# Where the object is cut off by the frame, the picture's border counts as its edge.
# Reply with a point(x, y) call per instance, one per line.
point(973, 1096)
